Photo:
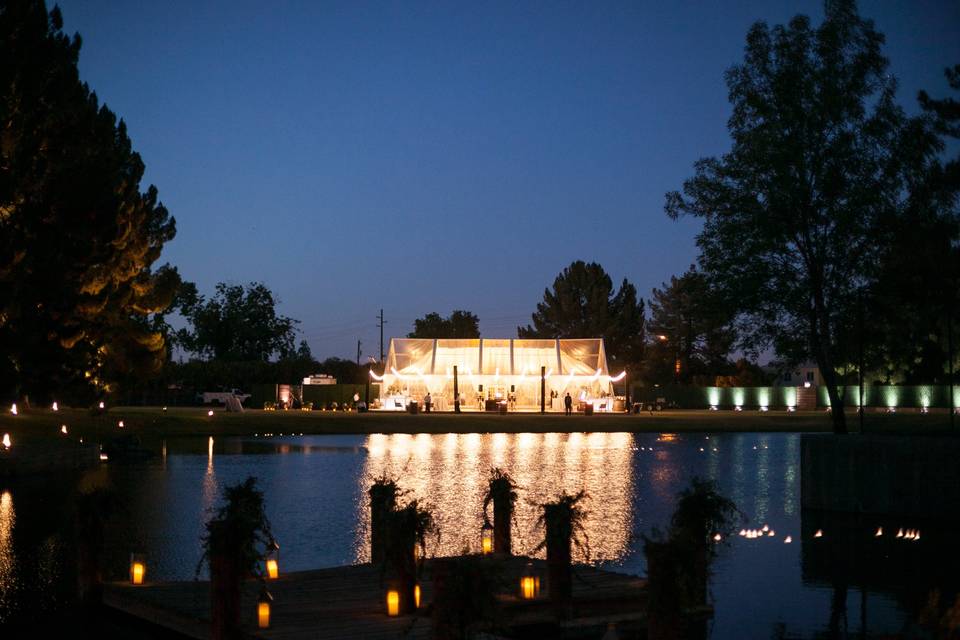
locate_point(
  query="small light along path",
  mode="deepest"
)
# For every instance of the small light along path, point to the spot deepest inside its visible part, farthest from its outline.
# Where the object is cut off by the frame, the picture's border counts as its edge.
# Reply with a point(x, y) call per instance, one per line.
point(348, 601)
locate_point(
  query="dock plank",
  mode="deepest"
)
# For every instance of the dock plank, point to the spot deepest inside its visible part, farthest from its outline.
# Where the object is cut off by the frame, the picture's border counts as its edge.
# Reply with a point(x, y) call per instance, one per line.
point(347, 602)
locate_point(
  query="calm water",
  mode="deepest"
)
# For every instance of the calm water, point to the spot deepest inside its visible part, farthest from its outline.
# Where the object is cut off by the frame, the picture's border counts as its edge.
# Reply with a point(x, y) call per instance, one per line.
point(841, 583)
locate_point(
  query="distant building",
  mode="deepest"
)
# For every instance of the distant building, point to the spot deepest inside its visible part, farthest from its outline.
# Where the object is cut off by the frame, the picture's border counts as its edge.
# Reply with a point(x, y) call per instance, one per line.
point(807, 373)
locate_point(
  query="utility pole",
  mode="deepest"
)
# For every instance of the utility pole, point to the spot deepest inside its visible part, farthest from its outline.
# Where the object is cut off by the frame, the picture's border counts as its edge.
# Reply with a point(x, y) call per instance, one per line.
point(358, 353)
point(380, 324)
point(860, 364)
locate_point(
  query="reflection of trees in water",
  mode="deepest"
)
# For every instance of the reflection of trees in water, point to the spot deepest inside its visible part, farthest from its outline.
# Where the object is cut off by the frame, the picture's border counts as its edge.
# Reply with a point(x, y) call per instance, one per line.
point(851, 556)
point(449, 473)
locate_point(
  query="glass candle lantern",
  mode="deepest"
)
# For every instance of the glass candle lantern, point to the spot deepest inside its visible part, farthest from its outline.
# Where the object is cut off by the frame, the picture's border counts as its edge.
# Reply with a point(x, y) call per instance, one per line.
point(138, 568)
point(416, 596)
point(264, 604)
point(393, 602)
point(486, 538)
point(273, 560)
point(529, 583)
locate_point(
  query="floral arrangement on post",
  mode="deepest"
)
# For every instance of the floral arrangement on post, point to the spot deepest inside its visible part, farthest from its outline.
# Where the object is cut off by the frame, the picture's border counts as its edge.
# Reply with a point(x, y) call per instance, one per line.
point(678, 563)
point(405, 549)
point(502, 492)
point(383, 500)
point(235, 543)
point(563, 520)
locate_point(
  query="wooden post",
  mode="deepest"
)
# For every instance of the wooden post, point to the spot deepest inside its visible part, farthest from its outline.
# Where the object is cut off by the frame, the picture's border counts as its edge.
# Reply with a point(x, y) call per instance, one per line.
point(543, 389)
point(456, 391)
point(382, 502)
point(224, 597)
point(559, 575)
point(502, 519)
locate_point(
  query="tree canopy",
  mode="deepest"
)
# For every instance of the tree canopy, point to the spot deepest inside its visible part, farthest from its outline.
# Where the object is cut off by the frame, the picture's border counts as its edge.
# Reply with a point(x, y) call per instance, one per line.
point(78, 238)
point(459, 324)
point(583, 304)
point(691, 330)
point(794, 214)
point(238, 323)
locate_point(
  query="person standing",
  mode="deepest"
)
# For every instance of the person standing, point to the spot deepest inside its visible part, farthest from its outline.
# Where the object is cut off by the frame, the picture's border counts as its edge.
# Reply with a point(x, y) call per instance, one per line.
point(567, 404)
point(427, 401)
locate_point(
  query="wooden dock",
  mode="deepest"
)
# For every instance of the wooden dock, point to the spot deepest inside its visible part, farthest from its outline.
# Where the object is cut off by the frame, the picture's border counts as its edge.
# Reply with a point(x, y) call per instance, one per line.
point(348, 602)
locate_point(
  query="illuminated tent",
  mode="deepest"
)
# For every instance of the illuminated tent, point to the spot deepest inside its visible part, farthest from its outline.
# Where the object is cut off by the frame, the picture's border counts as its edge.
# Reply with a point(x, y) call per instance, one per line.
point(496, 370)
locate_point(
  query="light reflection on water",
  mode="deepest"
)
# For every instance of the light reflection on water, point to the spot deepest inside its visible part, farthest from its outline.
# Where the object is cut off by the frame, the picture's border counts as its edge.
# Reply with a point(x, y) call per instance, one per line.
point(450, 474)
point(316, 496)
point(8, 582)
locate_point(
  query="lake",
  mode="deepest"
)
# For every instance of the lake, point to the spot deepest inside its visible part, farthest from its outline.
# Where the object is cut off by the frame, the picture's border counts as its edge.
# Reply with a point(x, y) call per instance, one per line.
point(845, 580)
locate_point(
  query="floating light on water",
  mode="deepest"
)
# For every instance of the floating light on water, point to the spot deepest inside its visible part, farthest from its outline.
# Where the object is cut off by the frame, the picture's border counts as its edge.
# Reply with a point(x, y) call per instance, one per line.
point(717, 537)
point(101, 404)
point(63, 429)
point(900, 533)
point(263, 609)
point(393, 602)
point(879, 532)
point(138, 568)
point(743, 532)
point(765, 528)
point(6, 441)
point(120, 424)
point(55, 407)
point(818, 534)
point(788, 540)
point(771, 533)
point(210, 412)
point(13, 408)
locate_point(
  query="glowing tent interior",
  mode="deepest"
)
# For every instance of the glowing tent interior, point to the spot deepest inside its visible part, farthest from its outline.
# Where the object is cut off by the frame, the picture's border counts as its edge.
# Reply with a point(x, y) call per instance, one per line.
point(492, 373)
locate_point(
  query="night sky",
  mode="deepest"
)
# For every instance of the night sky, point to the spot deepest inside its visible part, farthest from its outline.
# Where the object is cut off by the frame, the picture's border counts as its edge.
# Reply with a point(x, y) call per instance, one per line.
point(426, 157)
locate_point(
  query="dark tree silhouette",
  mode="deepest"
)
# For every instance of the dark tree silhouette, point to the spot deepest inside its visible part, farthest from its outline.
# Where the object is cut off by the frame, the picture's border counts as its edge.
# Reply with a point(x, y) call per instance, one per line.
point(78, 238)
point(691, 331)
point(793, 212)
point(583, 304)
point(238, 323)
point(459, 324)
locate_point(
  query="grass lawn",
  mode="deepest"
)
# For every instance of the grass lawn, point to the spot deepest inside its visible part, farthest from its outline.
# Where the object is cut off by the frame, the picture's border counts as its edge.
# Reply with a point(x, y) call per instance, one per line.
point(152, 422)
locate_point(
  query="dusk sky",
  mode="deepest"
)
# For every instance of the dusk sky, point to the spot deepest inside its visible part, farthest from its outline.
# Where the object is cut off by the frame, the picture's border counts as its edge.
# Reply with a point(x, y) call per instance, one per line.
point(424, 157)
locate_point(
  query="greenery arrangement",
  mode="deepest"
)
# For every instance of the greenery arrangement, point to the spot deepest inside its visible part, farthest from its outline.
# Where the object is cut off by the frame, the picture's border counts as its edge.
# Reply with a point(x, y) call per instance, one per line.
point(239, 529)
point(502, 492)
point(678, 563)
point(465, 600)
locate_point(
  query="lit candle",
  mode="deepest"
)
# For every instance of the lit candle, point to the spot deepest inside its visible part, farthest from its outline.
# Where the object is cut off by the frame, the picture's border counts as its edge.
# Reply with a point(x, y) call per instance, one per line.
point(393, 602)
point(137, 570)
point(263, 609)
point(818, 534)
point(416, 596)
point(527, 587)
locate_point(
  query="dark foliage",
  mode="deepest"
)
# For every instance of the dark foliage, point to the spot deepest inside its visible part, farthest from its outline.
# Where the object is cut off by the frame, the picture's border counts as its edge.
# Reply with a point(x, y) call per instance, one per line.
point(583, 304)
point(459, 324)
point(239, 529)
point(78, 238)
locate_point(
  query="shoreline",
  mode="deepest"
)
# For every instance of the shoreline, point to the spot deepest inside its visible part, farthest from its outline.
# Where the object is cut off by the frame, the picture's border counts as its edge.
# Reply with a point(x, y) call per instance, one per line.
point(39, 425)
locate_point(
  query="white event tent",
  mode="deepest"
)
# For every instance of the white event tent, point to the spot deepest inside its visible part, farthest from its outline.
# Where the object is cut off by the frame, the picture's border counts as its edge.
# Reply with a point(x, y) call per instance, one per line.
point(496, 372)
